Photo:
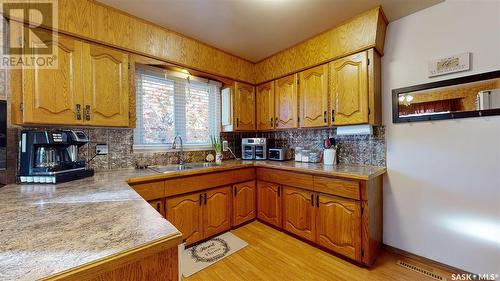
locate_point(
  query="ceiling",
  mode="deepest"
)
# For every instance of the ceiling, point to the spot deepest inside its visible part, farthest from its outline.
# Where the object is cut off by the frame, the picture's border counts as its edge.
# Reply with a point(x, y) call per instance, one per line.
point(256, 29)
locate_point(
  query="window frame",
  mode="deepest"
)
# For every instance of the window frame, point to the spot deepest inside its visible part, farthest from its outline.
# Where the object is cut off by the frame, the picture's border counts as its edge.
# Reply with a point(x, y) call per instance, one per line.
point(167, 147)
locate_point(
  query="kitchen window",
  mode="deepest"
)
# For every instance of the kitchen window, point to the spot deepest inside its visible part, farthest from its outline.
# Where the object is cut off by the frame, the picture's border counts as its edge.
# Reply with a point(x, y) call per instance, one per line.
point(171, 103)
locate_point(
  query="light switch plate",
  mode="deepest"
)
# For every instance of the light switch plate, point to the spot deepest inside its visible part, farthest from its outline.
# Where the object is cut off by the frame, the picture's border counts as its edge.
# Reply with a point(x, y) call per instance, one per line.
point(225, 145)
point(101, 149)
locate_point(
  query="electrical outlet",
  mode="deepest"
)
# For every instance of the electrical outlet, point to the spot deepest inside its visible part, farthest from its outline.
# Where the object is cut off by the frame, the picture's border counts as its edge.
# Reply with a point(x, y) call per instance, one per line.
point(225, 145)
point(101, 149)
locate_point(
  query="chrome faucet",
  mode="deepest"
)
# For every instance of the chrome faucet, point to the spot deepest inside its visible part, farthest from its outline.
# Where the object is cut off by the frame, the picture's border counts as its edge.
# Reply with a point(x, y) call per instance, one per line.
point(181, 153)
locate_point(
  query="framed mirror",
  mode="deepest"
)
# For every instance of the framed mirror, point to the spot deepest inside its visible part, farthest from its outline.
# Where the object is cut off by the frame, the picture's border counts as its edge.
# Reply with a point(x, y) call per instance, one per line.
point(469, 96)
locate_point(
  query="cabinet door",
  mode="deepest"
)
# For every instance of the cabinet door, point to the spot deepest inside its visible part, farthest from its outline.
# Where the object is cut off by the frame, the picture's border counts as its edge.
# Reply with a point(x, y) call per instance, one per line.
point(265, 106)
point(106, 86)
point(217, 211)
point(286, 102)
point(349, 89)
point(158, 205)
point(244, 207)
point(244, 106)
point(299, 212)
point(185, 213)
point(269, 203)
point(55, 96)
point(338, 225)
point(313, 94)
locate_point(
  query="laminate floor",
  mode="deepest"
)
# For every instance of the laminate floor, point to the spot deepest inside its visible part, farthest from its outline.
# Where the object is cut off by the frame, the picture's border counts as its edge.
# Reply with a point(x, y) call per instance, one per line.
point(274, 255)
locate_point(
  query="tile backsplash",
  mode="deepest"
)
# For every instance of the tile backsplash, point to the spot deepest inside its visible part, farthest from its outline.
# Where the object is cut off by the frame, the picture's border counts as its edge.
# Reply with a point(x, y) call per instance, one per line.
point(356, 149)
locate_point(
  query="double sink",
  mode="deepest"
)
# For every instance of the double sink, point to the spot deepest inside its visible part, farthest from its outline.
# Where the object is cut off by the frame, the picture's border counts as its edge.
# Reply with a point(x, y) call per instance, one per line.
point(173, 168)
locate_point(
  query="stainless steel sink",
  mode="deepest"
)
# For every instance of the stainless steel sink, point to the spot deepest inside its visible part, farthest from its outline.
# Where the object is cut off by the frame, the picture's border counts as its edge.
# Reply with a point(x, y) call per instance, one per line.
point(176, 168)
point(202, 165)
point(173, 168)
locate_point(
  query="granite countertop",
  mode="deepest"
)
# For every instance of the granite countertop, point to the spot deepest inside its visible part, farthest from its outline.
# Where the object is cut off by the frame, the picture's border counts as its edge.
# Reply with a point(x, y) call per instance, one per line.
point(344, 171)
point(46, 229)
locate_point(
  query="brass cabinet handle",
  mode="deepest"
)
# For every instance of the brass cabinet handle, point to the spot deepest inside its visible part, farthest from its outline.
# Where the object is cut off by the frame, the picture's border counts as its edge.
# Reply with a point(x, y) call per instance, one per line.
point(333, 116)
point(276, 122)
point(78, 111)
point(158, 207)
point(324, 116)
point(312, 199)
point(317, 200)
point(201, 198)
point(205, 199)
point(279, 190)
point(87, 112)
point(235, 191)
point(272, 122)
point(237, 122)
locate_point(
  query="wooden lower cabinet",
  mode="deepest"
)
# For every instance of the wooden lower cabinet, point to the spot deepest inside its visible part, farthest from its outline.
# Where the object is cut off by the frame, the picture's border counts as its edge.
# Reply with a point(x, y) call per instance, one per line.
point(158, 205)
point(185, 213)
point(244, 202)
point(299, 212)
point(338, 225)
point(216, 211)
point(201, 215)
point(269, 203)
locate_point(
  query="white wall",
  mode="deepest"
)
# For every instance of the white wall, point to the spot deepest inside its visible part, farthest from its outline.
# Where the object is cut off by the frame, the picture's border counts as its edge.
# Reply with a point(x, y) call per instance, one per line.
point(442, 190)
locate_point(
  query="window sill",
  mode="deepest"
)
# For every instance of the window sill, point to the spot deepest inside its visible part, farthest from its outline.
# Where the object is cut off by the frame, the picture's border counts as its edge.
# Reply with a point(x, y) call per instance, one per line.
point(168, 148)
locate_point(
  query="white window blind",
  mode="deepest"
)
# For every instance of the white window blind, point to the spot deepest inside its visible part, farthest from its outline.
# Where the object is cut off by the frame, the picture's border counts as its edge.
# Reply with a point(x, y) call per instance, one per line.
point(172, 103)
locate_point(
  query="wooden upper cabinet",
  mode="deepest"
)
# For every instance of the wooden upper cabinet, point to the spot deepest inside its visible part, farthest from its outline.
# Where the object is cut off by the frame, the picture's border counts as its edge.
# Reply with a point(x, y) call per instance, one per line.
point(338, 225)
point(313, 94)
point(244, 106)
point(185, 213)
point(269, 203)
point(244, 202)
point(106, 86)
point(217, 211)
point(349, 89)
point(265, 106)
point(55, 96)
point(299, 212)
point(90, 86)
point(286, 102)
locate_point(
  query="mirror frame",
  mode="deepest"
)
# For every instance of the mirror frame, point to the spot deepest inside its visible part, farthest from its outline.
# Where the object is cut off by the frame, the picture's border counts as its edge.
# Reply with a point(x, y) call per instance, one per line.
point(439, 84)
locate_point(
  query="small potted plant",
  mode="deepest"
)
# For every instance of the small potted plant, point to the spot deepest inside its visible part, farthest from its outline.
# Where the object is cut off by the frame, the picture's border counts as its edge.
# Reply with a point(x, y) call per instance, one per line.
point(216, 144)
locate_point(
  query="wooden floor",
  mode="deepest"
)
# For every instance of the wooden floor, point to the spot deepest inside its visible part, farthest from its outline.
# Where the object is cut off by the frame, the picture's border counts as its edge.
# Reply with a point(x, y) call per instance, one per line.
point(274, 255)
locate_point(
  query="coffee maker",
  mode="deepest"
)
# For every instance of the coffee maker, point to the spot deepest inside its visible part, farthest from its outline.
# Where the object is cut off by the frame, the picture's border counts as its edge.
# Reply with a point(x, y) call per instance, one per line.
point(51, 156)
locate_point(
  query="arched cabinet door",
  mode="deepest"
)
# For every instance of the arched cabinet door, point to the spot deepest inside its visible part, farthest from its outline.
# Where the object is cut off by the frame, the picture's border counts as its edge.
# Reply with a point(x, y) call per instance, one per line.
point(313, 94)
point(269, 203)
point(244, 106)
point(286, 104)
point(106, 86)
point(244, 202)
point(185, 213)
point(349, 89)
point(265, 106)
point(338, 225)
point(55, 96)
point(217, 211)
point(299, 212)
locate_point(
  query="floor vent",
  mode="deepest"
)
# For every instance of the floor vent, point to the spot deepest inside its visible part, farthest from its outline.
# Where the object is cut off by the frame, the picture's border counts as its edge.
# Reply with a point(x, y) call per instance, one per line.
point(435, 276)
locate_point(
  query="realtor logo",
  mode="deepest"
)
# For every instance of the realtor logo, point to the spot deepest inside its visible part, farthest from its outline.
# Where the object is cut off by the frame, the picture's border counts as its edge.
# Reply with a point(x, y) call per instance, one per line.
point(26, 34)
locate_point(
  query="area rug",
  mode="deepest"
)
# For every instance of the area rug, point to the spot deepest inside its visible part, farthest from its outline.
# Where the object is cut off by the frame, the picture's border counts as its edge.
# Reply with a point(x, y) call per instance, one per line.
point(200, 256)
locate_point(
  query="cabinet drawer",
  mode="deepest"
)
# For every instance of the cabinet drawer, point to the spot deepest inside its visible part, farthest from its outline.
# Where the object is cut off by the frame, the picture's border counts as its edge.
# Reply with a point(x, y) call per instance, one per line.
point(205, 181)
point(285, 178)
point(339, 187)
point(151, 190)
